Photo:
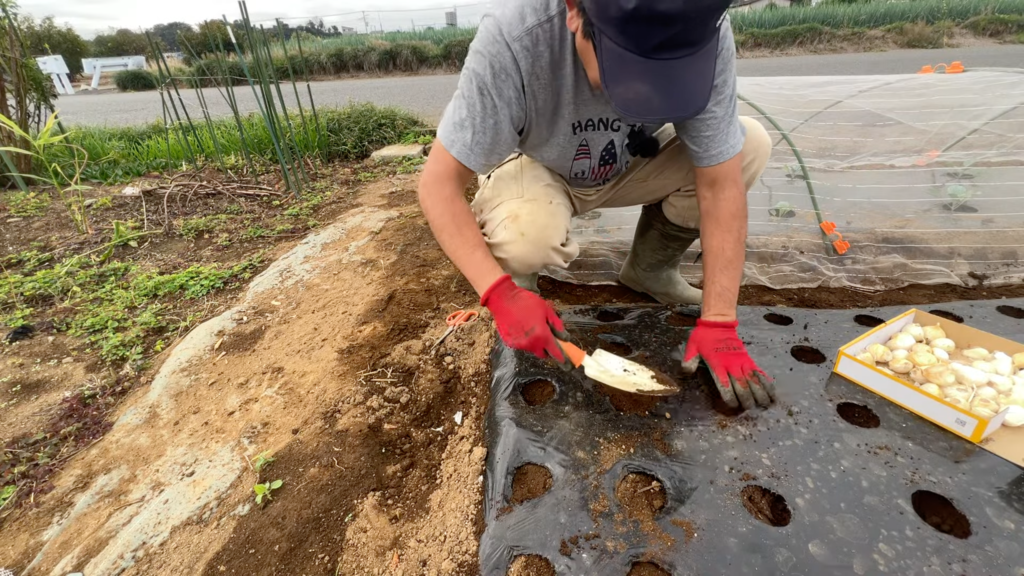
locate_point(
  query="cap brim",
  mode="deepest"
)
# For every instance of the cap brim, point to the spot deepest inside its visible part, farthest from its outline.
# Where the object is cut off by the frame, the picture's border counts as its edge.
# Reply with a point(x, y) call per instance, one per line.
point(657, 91)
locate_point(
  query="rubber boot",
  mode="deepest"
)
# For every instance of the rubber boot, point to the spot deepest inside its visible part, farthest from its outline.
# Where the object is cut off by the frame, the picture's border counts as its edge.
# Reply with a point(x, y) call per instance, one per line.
point(652, 266)
point(527, 281)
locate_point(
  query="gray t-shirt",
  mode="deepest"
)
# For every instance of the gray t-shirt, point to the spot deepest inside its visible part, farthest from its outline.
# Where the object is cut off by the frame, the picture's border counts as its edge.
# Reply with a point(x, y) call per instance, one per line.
point(523, 88)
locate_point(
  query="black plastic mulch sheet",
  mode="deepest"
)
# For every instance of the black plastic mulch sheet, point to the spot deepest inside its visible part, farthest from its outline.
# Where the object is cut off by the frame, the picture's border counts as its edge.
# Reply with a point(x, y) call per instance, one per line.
point(846, 494)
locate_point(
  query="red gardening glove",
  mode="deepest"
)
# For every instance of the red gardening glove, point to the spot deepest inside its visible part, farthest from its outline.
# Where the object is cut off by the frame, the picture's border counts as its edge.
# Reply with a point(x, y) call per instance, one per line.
point(525, 321)
point(734, 372)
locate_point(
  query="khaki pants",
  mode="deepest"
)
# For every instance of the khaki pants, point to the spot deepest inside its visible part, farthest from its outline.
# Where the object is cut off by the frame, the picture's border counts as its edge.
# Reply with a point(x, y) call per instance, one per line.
point(525, 210)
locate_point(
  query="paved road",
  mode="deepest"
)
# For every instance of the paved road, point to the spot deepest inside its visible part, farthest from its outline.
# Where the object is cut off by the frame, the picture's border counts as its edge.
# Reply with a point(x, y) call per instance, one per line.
point(428, 95)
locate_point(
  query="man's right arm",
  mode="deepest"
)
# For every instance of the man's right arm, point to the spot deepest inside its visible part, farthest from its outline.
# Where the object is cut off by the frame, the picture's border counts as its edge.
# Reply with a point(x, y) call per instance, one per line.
point(441, 194)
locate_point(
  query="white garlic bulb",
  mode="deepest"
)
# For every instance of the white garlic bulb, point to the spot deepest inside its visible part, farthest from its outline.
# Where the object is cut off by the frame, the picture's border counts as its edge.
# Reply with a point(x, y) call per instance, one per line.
point(985, 407)
point(941, 354)
point(923, 359)
point(1017, 393)
point(959, 391)
point(941, 375)
point(917, 376)
point(1002, 364)
point(1018, 360)
point(1014, 417)
point(986, 392)
point(932, 389)
point(968, 375)
point(944, 344)
point(1018, 379)
point(985, 367)
point(1002, 384)
point(901, 341)
point(866, 358)
point(919, 347)
point(899, 354)
point(880, 353)
point(901, 366)
point(914, 331)
point(977, 354)
point(933, 332)
point(958, 402)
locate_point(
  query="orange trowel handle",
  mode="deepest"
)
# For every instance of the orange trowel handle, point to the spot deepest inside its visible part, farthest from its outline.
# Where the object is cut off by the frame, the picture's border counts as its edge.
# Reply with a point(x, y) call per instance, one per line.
point(574, 353)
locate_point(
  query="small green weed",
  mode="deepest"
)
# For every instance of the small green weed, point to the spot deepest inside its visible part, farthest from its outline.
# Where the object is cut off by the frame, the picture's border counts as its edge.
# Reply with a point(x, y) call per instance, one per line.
point(104, 202)
point(418, 138)
point(192, 228)
point(6, 493)
point(305, 208)
point(366, 176)
point(24, 204)
point(264, 490)
point(410, 165)
point(261, 461)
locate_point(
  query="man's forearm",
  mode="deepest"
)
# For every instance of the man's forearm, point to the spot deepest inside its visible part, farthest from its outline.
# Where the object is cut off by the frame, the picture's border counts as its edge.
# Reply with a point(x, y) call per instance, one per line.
point(455, 228)
point(723, 239)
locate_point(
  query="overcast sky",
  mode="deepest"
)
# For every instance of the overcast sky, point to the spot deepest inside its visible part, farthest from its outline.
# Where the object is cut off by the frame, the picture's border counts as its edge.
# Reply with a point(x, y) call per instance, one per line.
point(91, 17)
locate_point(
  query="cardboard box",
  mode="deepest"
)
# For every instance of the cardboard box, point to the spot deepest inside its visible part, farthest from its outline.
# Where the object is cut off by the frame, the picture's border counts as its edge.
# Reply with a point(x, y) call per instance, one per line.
point(989, 433)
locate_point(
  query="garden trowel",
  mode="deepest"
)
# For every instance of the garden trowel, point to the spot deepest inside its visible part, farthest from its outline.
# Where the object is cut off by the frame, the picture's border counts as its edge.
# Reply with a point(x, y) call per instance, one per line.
point(617, 372)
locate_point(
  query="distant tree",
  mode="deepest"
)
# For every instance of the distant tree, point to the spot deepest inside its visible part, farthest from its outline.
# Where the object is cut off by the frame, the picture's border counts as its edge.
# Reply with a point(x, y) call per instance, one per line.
point(46, 37)
point(209, 37)
point(168, 34)
point(122, 42)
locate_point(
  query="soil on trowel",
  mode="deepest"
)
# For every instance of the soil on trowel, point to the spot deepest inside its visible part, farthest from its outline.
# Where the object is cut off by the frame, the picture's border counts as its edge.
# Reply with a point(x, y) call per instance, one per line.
point(641, 495)
point(531, 565)
point(647, 569)
point(530, 481)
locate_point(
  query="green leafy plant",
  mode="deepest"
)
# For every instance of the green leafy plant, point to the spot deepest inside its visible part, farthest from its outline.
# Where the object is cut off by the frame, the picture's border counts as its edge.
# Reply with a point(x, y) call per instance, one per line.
point(262, 460)
point(265, 489)
point(956, 195)
point(782, 210)
point(135, 81)
point(6, 493)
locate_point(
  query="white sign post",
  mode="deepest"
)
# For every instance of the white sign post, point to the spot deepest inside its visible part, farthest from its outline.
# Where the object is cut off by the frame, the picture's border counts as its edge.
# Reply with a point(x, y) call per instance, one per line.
point(58, 71)
point(97, 66)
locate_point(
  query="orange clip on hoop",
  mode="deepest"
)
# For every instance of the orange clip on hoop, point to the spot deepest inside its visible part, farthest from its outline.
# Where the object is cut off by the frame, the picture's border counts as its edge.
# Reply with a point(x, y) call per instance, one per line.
point(957, 67)
point(926, 69)
point(828, 228)
point(841, 246)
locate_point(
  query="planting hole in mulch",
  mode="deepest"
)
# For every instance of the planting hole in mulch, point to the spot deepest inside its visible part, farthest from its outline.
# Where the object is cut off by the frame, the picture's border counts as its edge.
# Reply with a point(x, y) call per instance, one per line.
point(531, 565)
point(948, 316)
point(538, 392)
point(939, 513)
point(680, 320)
point(858, 415)
point(807, 354)
point(615, 345)
point(647, 569)
point(530, 481)
point(609, 316)
point(641, 495)
point(868, 320)
point(766, 506)
point(1011, 311)
point(778, 319)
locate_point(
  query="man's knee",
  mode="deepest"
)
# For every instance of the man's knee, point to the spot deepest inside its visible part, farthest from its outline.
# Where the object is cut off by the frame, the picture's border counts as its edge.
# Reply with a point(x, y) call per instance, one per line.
point(532, 236)
point(757, 148)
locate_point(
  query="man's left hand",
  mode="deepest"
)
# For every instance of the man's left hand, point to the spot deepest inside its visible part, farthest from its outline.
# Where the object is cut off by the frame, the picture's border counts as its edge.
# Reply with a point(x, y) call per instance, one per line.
point(738, 378)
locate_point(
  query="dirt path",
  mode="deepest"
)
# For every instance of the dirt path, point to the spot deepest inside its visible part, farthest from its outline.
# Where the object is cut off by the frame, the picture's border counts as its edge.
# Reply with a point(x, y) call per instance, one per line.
point(324, 363)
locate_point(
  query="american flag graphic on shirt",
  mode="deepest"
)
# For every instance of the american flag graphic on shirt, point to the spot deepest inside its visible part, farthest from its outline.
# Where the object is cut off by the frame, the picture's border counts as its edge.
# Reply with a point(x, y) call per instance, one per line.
point(607, 163)
point(580, 168)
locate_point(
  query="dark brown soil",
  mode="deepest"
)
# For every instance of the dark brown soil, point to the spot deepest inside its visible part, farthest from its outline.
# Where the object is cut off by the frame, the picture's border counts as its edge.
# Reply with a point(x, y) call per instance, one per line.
point(680, 320)
point(647, 569)
point(689, 527)
point(858, 415)
point(778, 319)
point(531, 565)
point(766, 506)
point(609, 316)
point(538, 392)
point(747, 477)
point(807, 354)
point(941, 514)
point(564, 549)
point(530, 481)
point(948, 316)
point(868, 320)
point(617, 348)
point(641, 495)
point(628, 402)
point(1011, 311)
point(813, 298)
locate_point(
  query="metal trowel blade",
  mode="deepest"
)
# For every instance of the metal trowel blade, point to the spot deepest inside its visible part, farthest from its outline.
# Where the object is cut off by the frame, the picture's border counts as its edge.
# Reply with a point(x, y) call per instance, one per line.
point(625, 375)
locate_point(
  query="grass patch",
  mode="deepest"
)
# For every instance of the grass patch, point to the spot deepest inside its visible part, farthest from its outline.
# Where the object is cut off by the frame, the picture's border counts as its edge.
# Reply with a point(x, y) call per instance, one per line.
point(135, 81)
point(117, 155)
point(191, 228)
point(26, 204)
point(996, 25)
point(920, 35)
point(874, 15)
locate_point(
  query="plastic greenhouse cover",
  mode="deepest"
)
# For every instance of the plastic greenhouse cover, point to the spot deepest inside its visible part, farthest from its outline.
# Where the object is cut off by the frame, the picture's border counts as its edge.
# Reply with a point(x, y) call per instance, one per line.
point(922, 174)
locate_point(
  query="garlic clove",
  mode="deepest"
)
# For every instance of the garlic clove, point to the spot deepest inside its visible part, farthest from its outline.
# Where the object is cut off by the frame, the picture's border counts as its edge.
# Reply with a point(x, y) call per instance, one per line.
point(1002, 384)
point(941, 354)
point(986, 393)
point(985, 367)
point(901, 366)
point(958, 392)
point(958, 402)
point(917, 376)
point(1018, 360)
point(919, 347)
point(880, 353)
point(933, 332)
point(941, 375)
point(1002, 365)
point(866, 358)
point(914, 331)
point(968, 375)
point(944, 344)
point(988, 404)
point(901, 341)
point(1014, 416)
point(932, 389)
point(1018, 379)
point(983, 413)
point(977, 354)
point(899, 354)
point(923, 359)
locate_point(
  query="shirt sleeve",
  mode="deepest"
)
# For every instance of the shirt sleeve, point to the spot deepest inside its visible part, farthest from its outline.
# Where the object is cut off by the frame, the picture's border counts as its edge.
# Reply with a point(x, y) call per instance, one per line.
point(482, 124)
point(716, 134)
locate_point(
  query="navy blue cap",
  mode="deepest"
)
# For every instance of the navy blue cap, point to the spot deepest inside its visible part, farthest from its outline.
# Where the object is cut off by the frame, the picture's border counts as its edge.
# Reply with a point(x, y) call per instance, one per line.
point(657, 57)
